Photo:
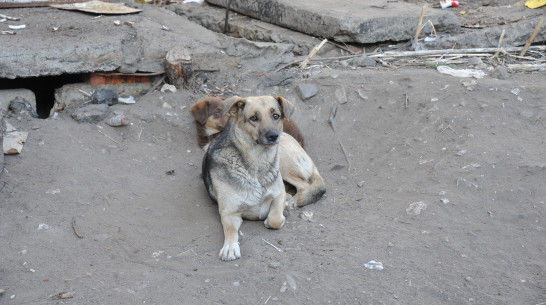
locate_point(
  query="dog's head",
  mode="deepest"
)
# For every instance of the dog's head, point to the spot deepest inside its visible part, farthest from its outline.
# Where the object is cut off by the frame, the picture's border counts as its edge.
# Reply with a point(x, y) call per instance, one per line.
point(261, 117)
point(207, 113)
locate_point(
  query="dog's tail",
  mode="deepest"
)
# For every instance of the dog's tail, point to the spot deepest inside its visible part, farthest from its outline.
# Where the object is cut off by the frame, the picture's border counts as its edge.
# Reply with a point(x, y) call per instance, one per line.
point(313, 192)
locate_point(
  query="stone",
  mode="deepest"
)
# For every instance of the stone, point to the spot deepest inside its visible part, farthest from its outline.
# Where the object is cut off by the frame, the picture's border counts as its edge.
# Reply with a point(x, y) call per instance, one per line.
point(282, 78)
point(363, 61)
point(6, 96)
point(341, 94)
point(105, 96)
point(500, 72)
point(91, 113)
point(307, 91)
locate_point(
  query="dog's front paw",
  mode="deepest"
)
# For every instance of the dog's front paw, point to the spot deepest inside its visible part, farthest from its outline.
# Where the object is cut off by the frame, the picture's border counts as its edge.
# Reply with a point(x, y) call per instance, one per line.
point(230, 252)
point(275, 222)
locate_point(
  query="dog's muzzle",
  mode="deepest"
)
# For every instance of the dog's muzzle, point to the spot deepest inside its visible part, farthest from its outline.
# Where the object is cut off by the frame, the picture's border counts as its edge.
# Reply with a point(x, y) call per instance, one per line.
point(270, 138)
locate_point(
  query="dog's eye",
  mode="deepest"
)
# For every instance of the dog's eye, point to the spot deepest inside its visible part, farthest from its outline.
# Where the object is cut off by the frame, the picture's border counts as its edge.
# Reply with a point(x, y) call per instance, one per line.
point(276, 116)
point(253, 118)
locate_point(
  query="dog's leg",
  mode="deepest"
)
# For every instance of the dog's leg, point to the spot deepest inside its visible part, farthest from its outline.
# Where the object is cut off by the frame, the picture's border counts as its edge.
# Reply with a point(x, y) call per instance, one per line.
point(309, 191)
point(275, 219)
point(231, 223)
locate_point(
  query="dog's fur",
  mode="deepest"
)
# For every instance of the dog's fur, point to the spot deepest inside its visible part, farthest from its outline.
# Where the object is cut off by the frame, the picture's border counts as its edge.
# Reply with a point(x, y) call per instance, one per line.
point(296, 166)
point(209, 122)
point(241, 167)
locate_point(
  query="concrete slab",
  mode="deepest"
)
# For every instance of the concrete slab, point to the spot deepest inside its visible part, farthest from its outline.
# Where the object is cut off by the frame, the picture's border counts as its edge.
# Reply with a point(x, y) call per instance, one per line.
point(358, 21)
point(59, 42)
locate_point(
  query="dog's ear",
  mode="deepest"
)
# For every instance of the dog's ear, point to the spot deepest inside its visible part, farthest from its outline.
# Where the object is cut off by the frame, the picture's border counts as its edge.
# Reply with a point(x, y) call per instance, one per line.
point(199, 111)
point(287, 107)
point(232, 105)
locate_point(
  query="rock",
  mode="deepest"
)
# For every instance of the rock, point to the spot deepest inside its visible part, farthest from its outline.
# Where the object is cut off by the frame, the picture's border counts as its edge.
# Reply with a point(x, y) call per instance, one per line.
point(20, 105)
point(6, 96)
point(416, 208)
point(364, 61)
point(13, 142)
point(282, 78)
point(500, 72)
point(307, 91)
point(341, 95)
point(91, 113)
point(274, 265)
point(105, 96)
point(168, 88)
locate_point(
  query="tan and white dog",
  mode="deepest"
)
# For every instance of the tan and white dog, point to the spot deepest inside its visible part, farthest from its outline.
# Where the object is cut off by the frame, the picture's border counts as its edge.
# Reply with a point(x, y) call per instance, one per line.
point(241, 167)
point(296, 167)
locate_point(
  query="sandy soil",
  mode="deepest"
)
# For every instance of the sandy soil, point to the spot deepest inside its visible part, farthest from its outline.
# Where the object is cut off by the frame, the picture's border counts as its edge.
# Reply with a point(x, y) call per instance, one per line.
point(151, 235)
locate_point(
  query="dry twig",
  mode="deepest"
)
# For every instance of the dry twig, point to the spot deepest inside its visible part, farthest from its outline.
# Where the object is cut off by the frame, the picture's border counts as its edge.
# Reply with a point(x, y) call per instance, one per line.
point(418, 31)
point(74, 228)
point(535, 32)
point(312, 53)
point(331, 120)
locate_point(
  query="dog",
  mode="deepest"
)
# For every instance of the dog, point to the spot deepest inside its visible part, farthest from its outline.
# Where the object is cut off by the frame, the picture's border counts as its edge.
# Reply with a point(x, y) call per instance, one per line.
point(296, 167)
point(241, 167)
point(209, 122)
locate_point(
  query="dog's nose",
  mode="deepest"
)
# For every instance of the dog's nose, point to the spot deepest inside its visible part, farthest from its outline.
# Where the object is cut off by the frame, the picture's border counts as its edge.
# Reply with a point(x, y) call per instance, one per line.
point(271, 136)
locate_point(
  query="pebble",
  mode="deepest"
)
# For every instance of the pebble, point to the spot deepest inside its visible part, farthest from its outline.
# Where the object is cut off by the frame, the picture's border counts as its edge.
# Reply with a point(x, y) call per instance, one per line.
point(274, 265)
point(416, 208)
point(307, 91)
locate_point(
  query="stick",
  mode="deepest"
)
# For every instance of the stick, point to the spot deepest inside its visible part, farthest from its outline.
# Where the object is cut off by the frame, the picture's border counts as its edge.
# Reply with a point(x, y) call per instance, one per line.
point(74, 228)
point(331, 120)
point(449, 51)
point(9, 17)
point(499, 45)
point(272, 245)
point(312, 53)
point(227, 16)
point(85, 93)
point(535, 32)
point(420, 22)
point(108, 137)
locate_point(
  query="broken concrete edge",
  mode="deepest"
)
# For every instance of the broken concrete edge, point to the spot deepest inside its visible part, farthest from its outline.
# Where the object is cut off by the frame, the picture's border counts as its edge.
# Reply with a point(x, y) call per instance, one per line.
point(2, 130)
point(516, 34)
point(74, 95)
point(342, 27)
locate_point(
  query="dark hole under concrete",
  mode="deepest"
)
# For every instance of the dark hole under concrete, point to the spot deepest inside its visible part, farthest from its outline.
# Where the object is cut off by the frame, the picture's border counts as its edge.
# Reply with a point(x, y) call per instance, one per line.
point(43, 88)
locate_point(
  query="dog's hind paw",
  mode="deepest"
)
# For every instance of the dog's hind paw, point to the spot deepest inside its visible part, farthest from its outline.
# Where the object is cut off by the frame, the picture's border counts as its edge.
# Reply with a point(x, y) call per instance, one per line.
point(230, 252)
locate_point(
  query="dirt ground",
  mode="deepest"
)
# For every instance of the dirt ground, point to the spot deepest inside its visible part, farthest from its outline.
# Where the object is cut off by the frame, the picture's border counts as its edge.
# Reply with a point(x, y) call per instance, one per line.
point(151, 235)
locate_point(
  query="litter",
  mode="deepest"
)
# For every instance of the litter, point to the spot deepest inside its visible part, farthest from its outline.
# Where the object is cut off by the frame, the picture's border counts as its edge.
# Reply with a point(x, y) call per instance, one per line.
point(98, 7)
point(126, 100)
point(118, 120)
point(448, 3)
point(17, 27)
point(373, 265)
point(461, 73)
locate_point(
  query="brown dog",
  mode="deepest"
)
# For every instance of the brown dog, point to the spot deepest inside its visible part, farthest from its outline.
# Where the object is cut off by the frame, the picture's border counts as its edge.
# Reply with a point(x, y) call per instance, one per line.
point(296, 166)
point(241, 167)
